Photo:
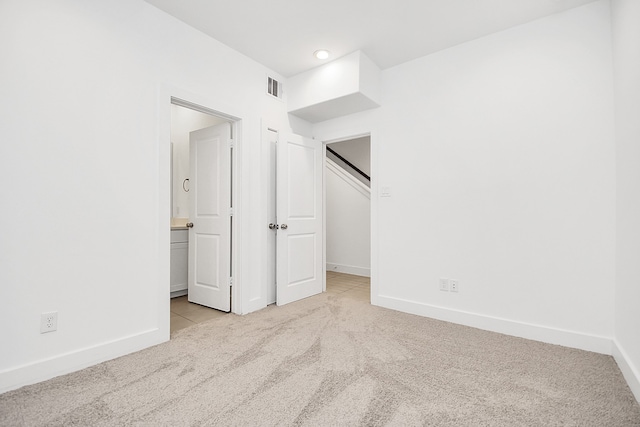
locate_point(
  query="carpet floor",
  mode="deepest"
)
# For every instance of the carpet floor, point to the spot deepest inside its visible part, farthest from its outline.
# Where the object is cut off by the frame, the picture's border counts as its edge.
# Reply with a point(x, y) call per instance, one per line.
point(331, 360)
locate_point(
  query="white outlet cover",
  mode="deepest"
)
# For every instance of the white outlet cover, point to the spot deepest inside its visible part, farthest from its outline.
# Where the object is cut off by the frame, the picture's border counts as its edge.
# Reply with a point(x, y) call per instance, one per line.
point(48, 322)
point(454, 285)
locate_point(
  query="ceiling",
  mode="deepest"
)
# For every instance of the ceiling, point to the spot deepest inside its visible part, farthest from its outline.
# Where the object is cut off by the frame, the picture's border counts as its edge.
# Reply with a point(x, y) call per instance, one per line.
point(283, 34)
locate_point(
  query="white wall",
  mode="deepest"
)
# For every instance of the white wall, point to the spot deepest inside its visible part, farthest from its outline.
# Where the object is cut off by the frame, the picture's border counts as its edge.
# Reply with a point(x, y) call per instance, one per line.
point(85, 170)
point(626, 49)
point(348, 229)
point(500, 161)
point(183, 121)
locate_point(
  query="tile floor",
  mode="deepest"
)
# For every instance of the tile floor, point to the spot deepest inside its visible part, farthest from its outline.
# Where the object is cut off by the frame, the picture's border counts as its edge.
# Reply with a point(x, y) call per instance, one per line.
point(348, 285)
point(185, 313)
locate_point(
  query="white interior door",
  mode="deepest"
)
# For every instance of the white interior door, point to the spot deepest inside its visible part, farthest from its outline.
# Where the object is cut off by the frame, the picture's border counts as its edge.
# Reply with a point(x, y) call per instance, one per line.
point(209, 212)
point(299, 210)
point(271, 137)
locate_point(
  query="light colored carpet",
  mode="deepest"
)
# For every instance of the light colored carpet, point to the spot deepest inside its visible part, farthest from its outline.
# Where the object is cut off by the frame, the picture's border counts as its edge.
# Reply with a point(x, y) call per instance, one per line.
point(332, 360)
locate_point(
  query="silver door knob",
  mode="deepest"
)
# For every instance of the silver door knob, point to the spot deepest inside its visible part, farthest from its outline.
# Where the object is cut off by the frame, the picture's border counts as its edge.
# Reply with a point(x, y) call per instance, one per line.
point(284, 226)
point(273, 226)
point(189, 225)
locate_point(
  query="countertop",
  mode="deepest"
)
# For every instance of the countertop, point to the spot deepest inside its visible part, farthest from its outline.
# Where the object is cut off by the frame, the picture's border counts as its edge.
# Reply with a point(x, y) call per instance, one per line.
point(179, 223)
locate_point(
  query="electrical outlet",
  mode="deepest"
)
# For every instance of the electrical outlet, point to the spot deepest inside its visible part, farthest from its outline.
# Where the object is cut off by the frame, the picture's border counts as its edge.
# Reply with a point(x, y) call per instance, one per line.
point(48, 322)
point(454, 285)
point(444, 284)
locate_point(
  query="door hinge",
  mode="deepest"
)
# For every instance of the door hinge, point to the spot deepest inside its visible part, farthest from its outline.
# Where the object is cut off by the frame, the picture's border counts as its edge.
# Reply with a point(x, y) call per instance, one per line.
point(232, 143)
point(230, 211)
point(230, 281)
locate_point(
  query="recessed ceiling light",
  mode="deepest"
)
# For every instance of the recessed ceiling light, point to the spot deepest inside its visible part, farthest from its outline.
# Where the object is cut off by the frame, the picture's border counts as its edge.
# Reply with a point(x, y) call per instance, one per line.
point(321, 54)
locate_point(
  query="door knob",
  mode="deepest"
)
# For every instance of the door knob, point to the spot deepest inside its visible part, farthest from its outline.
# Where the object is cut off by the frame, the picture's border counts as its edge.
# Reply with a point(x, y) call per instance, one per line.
point(284, 226)
point(273, 226)
point(189, 225)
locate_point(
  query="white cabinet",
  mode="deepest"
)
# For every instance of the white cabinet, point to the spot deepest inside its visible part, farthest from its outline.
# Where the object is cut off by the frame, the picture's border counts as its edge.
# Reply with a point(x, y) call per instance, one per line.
point(179, 260)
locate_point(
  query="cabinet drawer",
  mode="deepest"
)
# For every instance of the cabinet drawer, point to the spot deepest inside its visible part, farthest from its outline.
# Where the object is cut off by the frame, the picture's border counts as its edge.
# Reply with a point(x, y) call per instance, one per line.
point(179, 266)
point(179, 236)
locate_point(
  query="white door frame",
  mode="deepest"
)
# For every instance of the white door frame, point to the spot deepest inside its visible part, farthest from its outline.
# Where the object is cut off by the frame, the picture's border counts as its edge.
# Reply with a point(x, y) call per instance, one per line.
point(234, 199)
point(169, 95)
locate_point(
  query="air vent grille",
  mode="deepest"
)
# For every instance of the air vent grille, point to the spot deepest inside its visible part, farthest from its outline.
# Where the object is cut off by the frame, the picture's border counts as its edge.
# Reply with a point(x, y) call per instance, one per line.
point(274, 87)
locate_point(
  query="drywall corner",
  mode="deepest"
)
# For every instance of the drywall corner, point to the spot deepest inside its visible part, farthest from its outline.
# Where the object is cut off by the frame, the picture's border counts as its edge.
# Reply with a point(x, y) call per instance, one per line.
point(629, 371)
point(370, 81)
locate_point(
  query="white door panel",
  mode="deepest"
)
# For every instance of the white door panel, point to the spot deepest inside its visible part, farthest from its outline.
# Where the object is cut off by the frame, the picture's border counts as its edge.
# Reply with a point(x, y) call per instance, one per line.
point(272, 138)
point(299, 211)
point(209, 207)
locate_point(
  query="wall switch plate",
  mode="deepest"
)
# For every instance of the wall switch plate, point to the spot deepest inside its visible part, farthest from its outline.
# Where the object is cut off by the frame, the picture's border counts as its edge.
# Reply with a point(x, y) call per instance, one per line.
point(385, 192)
point(444, 284)
point(48, 322)
point(454, 285)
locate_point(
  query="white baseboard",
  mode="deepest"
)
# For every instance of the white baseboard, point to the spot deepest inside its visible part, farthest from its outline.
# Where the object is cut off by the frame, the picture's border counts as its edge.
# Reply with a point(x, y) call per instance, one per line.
point(182, 287)
point(349, 269)
point(629, 370)
point(179, 293)
point(42, 370)
point(595, 343)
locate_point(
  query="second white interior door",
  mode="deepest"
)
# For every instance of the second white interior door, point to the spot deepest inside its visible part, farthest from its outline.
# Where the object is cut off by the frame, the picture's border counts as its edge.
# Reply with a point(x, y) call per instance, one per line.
point(300, 271)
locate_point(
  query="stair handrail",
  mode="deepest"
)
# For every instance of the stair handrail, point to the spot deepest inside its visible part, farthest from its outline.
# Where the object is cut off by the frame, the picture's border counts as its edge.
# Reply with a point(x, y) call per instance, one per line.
point(348, 163)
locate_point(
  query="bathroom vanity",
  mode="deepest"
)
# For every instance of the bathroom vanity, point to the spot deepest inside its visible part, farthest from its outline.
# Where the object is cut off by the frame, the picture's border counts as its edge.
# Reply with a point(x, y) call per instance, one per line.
point(179, 259)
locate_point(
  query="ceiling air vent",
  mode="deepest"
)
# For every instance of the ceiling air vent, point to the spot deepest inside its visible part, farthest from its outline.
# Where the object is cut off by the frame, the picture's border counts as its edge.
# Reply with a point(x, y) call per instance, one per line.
point(274, 87)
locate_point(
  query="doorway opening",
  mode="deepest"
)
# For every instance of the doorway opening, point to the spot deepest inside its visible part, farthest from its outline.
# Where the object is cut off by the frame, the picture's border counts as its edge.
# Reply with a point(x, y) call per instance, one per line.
point(348, 216)
point(201, 264)
point(341, 195)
